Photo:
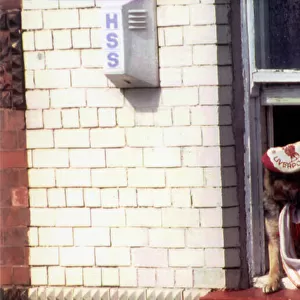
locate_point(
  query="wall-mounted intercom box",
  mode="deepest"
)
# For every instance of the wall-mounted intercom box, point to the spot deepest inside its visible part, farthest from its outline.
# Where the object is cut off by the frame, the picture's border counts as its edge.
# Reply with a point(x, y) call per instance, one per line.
point(130, 42)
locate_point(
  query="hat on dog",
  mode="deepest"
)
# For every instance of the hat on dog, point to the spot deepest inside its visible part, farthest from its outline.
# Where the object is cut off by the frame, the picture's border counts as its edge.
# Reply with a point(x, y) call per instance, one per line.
point(283, 159)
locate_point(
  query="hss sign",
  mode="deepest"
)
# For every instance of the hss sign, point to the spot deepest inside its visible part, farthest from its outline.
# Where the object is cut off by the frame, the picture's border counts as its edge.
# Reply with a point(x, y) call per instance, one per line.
point(113, 47)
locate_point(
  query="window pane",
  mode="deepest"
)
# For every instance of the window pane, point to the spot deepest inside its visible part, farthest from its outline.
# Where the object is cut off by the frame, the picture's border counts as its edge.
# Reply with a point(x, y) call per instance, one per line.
point(279, 34)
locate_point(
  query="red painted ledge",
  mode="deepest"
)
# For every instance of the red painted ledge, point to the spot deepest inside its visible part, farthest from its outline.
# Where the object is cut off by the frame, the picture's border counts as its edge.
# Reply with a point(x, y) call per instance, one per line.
point(253, 294)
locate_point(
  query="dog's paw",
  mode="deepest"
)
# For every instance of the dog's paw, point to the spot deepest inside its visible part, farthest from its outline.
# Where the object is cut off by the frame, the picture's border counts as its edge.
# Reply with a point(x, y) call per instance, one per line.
point(271, 287)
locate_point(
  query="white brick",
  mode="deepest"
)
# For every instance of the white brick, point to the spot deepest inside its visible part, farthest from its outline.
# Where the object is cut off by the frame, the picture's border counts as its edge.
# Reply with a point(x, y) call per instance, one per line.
point(39, 256)
point(73, 178)
point(211, 14)
point(211, 115)
point(125, 157)
point(40, 4)
point(166, 238)
point(212, 277)
point(38, 276)
point(96, 38)
point(28, 41)
point(61, 19)
point(91, 237)
point(92, 58)
point(63, 59)
point(170, 77)
point(183, 136)
point(200, 35)
point(201, 156)
point(47, 79)
point(110, 277)
point(74, 197)
point(72, 138)
point(161, 37)
point(92, 276)
point(29, 158)
point(32, 20)
point(41, 178)
point(176, 56)
point(128, 277)
point(51, 158)
point(184, 278)
point(181, 116)
point(186, 258)
point(76, 3)
point(220, 177)
point(39, 139)
point(220, 258)
point(165, 278)
point(133, 237)
point(81, 38)
point(38, 197)
point(173, 15)
point(212, 95)
point(70, 118)
point(144, 117)
point(107, 117)
point(180, 96)
point(162, 157)
point(207, 75)
point(74, 276)
point(88, 117)
point(127, 197)
point(180, 217)
point(205, 238)
point(154, 197)
point(88, 78)
point(37, 99)
point(55, 237)
point(34, 60)
point(147, 257)
point(75, 217)
point(107, 138)
point(181, 197)
point(29, 79)
point(42, 217)
point(146, 277)
point(211, 55)
point(105, 98)
point(43, 40)
point(143, 217)
point(163, 117)
point(52, 118)
point(185, 177)
point(207, 197)
point(112, 256)
point(144, 137)
point(66, 98)
point(34, 119)
point(56, 276)
point(140, 177)
point(125, 117)
point(92, 197)
point(173, 36)
point(176, 2)
point(108, 217)
point(109, 177)
point(90, 18)
point(87, 158)
point(69, 256)
point(62, 39)
point(109, 197)
point(56, 197)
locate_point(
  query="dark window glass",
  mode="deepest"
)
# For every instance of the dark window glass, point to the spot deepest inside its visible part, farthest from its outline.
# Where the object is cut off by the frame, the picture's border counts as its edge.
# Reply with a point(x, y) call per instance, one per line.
point(278, 35)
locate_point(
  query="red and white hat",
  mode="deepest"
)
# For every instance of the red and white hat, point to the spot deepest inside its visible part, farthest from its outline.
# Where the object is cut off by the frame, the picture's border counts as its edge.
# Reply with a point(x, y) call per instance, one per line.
point(283, 159)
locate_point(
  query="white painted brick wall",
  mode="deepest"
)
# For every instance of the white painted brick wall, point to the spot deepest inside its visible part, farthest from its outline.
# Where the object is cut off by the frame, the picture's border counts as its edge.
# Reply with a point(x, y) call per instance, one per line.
point(130, 188)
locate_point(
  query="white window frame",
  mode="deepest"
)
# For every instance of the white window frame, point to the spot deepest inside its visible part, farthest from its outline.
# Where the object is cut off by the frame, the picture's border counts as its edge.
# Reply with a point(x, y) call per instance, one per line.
point(257, 94)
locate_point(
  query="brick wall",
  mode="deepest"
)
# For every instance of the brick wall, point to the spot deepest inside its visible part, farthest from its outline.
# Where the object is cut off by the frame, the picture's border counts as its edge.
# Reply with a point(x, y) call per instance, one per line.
point(14, 211)
point(131, 188)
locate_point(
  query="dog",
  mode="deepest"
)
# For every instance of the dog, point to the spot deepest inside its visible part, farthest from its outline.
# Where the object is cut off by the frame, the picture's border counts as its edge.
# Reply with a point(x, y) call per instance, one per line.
point(279, 189)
